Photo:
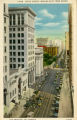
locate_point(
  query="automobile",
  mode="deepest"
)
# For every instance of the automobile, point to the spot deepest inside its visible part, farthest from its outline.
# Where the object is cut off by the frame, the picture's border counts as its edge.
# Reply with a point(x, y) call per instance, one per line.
point(55, 104)
point(55, 114)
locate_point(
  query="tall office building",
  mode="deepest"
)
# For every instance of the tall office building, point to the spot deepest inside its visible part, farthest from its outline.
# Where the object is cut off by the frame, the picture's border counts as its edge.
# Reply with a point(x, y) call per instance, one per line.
point(21, 40)
point(6, 54)
point(42, 41)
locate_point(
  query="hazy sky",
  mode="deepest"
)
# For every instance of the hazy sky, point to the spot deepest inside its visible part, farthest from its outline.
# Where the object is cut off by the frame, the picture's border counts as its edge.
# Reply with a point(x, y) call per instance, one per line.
point(51, 20)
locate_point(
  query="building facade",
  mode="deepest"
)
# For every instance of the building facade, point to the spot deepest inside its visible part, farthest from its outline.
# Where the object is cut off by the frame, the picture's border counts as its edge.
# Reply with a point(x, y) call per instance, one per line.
point(38, 61)
point(18, 83)
point(21, 40)
point(42, 41)
point(6, 55)
point(52, 51)
point(67, 48)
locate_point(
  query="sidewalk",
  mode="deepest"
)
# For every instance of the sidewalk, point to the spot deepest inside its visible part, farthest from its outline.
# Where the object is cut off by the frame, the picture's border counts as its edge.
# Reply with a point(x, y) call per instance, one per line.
point(19, 109)
point(65, 105)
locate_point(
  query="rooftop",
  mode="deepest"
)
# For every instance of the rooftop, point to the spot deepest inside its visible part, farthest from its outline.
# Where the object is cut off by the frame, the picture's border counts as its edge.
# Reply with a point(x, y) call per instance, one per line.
point(21, 9)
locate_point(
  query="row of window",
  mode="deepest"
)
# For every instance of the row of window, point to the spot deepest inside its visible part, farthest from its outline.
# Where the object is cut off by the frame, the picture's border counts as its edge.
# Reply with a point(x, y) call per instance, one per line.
point(20, 41)
point(14, 65)
point(31, 52)
point(18, 29)
point(30, 46)
point(19, 47)
point(14, 35)
point(19, 60)
point(31, 58)
point(20, 18)
point(19, 53)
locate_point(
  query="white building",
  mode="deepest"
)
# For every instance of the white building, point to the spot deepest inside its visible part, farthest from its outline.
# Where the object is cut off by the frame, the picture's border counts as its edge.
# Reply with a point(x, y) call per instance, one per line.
point(38, 61)
point(21, 38)
point(18, 83)
point(6, 55)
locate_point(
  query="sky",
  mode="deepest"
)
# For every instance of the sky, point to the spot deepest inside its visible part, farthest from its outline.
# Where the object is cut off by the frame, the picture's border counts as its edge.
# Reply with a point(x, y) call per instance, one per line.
point(51, 20)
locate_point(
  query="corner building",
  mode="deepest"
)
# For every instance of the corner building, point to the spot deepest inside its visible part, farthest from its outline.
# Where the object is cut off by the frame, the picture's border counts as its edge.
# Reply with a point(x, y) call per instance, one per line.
point(21, 40)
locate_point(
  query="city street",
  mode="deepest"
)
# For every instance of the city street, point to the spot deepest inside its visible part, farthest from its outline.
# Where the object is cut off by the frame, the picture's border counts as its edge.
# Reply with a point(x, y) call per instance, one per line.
point(47, 99)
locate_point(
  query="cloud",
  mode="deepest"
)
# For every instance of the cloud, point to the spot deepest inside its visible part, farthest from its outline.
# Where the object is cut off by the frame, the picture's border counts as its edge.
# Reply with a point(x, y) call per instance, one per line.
point(52, 24)
point(65, 26)
point(37, 23)
point(38, 19)
point(45, 13)
point(65, 14)
point(47, 24)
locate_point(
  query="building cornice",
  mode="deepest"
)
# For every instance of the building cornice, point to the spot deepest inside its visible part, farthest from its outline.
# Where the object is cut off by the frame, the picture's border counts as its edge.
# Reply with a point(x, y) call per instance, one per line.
point(21, 9)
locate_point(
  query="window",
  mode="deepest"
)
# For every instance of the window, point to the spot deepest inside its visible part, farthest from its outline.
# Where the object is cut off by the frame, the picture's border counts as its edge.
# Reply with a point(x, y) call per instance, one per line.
point(10, 47)
point(22, 53)
point(10, 19)
point(10, 59)
point(14, 53)
point(18, 19)
point(18, 65)
point(4, 29)
point(6, 77)
point(10, 65)
point(14, 65)
point(5, 58)
point(10, 29)
point(18, 29)
point(22, 34)
point(22, 29)
point(10, 35)
point(18, 47)
point(10, 41)
point(10, 53)
point(18, 41)
point(18, 59)
point(18, 34)
point(14, 19)
point(14, 59)
point(5, 68)
point(14, 47)
point(13, 34)
point(13, 92)
point(4, 7)
point(22, 41)
point(4, 19)
point(22, 47)
point(14, 29)
point(22, 65)
point(4, 39)
point(5, 49)
point(22, 59)
point(22, 19)
point(14, 41)
point(18, 53)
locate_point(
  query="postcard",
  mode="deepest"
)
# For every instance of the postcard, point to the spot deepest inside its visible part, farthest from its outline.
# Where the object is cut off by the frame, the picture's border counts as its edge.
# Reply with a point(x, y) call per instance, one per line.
point(38, 59)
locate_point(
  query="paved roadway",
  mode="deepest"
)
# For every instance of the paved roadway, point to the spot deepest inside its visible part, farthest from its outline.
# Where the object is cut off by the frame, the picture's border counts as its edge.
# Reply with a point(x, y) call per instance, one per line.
point(47, 90)
point(49, 85)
